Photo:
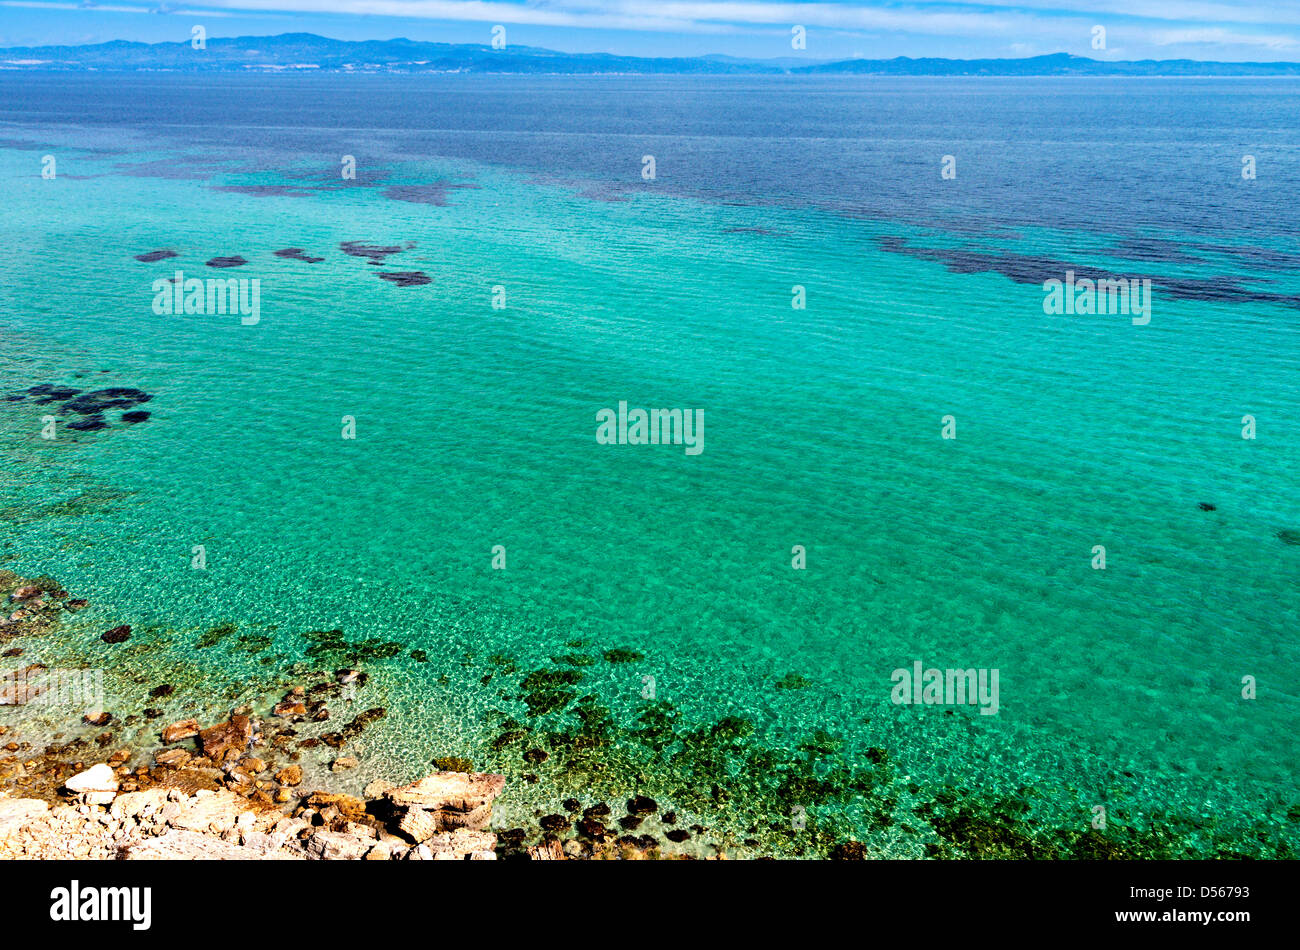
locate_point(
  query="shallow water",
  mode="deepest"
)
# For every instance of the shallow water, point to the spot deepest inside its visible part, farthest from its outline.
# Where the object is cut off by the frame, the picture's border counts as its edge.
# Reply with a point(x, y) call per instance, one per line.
point(475, 426)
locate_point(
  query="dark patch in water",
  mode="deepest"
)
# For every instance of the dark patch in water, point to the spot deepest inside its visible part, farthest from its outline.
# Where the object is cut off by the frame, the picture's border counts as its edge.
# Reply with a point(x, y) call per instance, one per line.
point(1289, 537)
point(431, 194)
point(375, 253)
point(91, 423)
point(297, 254)
point(406, 278)
point(137, 415)
point(118, 397)
point(235, 261)
point(151, 256)
point(1036, 269)
point(264, 191)
point(43, 394)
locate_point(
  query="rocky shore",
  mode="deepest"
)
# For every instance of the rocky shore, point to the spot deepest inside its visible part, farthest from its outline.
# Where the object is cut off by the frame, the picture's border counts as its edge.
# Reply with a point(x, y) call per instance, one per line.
point(443, 816)
point(236, 789)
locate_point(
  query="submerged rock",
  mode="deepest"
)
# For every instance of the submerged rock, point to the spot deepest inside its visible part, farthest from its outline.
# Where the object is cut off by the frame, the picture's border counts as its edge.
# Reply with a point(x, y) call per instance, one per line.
point(406, 278)
point(116, 397)
point(375, 253)
point(135, 415)
point(43, 394)
point(117, 634)
point(235, 261)
point(227, 741)
point(91, 423)
point(152, 256)
point(297, 254)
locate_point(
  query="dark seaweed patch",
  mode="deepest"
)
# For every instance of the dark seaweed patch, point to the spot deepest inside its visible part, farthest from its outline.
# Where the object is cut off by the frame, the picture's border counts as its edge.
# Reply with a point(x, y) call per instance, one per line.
point(406, 278)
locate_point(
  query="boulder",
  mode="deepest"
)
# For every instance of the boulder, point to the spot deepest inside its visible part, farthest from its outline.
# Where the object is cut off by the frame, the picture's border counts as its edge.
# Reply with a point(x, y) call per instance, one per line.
point(227, 741)
point(454, 799)
point(96, 786)
point(337, 846)
point(289, 775)
point(419, 825)
point(177, 731)
point(548, 850)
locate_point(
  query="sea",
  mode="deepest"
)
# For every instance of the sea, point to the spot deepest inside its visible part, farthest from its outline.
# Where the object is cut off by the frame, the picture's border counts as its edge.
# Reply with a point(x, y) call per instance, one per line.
point(905, 459)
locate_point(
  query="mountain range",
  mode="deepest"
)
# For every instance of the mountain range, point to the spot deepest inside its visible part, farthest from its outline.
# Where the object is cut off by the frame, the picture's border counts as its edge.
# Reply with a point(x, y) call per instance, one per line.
point(306, 52)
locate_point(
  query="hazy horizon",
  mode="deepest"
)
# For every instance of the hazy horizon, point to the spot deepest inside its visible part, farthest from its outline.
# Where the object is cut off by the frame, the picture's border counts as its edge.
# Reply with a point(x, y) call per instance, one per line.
point(1210, 31)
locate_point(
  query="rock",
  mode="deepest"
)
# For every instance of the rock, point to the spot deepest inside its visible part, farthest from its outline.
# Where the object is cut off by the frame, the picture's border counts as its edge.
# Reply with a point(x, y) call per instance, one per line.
point(136, 415)
point(419, 825)
point(456, 799)
point(460, 844)
point(227, 741)
point(185, 729)
point(232, 261)
point(289, 707)
point(678, 835)
point(642, 805)
point(296, 254)
point(209, 811)
point(343, 763)
point(548, 850)
point(554, 823)
point(96, 786)
point(378, 788)
point(406, 278)
point(347, 676)
point(131, 804)
point(100, 400)
point(26, 593)
point(335, 846)
point(289, 775)
point(91, 423)
point(192, 846)
point(75, 605)
point(117, 634)
point(172, 758)
point(19, 813)
point(372, 252)
point(99, 719)
point(151, 257)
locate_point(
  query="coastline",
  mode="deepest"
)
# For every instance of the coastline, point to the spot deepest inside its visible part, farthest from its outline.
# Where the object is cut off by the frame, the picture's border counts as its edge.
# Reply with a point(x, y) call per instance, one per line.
point(278, 774)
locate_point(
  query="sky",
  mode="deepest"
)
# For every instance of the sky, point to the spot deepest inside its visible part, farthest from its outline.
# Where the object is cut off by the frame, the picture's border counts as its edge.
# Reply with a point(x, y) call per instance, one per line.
point(1232, 30)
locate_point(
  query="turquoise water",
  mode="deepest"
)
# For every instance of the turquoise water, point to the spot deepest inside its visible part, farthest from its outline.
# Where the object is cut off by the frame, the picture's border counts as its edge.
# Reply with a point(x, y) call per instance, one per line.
point(475, 427)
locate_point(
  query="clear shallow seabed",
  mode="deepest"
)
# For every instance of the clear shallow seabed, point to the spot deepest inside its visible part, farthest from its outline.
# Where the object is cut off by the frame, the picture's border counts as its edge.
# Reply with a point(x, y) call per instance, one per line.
point(476, 427)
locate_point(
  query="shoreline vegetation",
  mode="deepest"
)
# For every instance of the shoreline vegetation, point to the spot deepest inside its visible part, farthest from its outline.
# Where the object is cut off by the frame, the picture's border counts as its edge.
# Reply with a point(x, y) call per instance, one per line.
point(235, 788)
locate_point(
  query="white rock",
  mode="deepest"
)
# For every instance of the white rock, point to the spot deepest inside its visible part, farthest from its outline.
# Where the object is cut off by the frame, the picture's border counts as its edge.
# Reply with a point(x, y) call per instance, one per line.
point(97, 778)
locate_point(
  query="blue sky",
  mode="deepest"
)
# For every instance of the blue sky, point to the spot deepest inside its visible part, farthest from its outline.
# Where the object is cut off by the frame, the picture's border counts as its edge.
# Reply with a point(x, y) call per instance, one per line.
point(836, 29)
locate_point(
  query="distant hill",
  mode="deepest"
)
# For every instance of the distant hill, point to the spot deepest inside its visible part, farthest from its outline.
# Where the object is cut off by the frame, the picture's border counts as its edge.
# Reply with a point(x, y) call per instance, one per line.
point(306, 52)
